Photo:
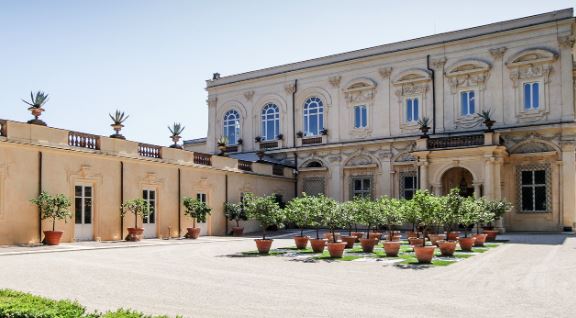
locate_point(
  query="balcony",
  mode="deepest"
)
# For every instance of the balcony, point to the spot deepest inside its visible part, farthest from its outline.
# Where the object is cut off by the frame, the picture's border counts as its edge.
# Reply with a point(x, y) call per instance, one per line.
point(83, 140)
point(202, 159)
point(268, 144)
point(278, 170)
point(312, 140)
point(455, 141)
point(245, 165)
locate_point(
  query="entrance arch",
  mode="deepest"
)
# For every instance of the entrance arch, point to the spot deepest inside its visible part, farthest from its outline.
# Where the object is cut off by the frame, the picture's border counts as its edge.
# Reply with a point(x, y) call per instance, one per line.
point(458, 177)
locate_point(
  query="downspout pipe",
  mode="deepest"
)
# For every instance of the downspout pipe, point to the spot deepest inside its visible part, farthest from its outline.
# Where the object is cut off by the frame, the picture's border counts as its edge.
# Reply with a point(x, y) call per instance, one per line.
point(121, 198)
point(179, 203)
point(294, 136)
point(40, 163)
point(433, 94)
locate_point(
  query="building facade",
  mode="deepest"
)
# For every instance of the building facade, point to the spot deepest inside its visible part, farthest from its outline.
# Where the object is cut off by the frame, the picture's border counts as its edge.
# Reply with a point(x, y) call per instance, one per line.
point(349, 123)
point(98, 174)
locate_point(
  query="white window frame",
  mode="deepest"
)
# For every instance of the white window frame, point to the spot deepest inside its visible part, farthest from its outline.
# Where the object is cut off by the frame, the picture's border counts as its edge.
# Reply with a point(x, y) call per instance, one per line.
point(532, 109)
point(228, 125)
point(202, 197)
point(265, 121)
point(307, 115)
point(364, 192)
point(405, 109)
point(146, 219)
point(363, 124)
point(476, 99)
point(83, 198)
point(547, 185)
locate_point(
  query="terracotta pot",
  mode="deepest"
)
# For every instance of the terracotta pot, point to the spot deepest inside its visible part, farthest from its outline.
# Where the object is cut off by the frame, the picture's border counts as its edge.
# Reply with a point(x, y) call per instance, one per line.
point(491, 235)
point(436, 237)
point(52, 237)
point(134, 234)
point(349, 240)
point(453, 236)
point(375, 235)
point(328, 236)
point(336, 250)
point(416, 241)
point(301, 242)
point(358, 235)
point(263, 245)
point(318, 245)
point(411, 234)
point(424, 254)
point(237, 230)
point(368, 244)
point(466, 243)
point(396, 236)
point(480, 239)
point(193, 232)
point(391, 248)
point(447, 248)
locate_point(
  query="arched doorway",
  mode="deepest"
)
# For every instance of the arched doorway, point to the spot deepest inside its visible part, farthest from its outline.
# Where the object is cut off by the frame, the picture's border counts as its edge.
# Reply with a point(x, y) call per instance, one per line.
point(458, 177)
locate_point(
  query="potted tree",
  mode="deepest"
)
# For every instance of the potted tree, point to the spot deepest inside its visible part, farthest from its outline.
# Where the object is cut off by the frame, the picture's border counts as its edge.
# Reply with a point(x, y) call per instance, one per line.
point(235, 212)
point(368, 215)
point(36, 103)
point(317, 209)
point(497, 209)
point(196, 210)
point(334, 218)
point(138, 207)
point(452, 204)
point(468, 217)
point(427, 207)
point(410, 217)
point(298, 211)
point(55, 208)
point(349, 213)
point(267, 211)
point(483, 216)
point(391, 210)
point(118, 120)
point(423, 126)
point(486, 117)
point(176, 132)
point(222, 142)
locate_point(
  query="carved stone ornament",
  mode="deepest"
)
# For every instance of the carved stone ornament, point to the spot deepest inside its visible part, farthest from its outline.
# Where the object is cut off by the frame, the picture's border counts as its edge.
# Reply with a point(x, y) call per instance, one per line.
point(360, 160)
point(248, 95)
point(385, 72)
point(212, 101)
point(468, 74)
point(290, 88)
point(335, 81)
point(498, 53)
point(360, 92)
point(566, 41)
point(530, 72)
point(439, 63)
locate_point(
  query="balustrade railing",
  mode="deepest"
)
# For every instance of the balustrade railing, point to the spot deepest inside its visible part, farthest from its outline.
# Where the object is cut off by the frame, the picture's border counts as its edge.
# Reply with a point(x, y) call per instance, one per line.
point(269, 144)
point(312, 141)
point(202, 159)
point(3, 128)
point(83, 140)
point(150, 151)
point(245, 165)
point(455, 141)
point(278, 170)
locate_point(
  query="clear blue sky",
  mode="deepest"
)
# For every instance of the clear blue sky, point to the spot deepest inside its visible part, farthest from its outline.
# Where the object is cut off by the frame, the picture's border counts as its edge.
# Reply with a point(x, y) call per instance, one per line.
point(151, 58)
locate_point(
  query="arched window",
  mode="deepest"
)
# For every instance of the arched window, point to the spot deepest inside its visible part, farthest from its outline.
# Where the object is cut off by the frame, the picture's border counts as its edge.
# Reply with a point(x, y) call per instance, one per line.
point(270, 122)
point(313, 116)
point(232, 127)
point(314, 164)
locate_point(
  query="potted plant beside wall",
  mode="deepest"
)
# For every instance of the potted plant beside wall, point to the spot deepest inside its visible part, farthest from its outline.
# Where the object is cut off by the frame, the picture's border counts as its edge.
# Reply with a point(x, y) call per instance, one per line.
point(54, 208)
point(266, 211)
point(36, 102)
point(197, 211)
point(391, 214)
point(452, 204)
point(497, 208)
point(350, 215)
point(118, 120)
point(423, 126)
point(298, 211)
point(427, 208)
point(317, 210)
point(468, 217)
point(334, 218)
point(221, 143)
point(369, 216)
point(486, 117)
point(235, 212)
point(176, 132)
point(138, 207)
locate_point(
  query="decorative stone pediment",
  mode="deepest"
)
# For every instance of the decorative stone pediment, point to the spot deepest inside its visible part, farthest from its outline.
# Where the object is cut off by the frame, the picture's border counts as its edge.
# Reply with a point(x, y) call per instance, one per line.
point(468, 73)
point(531, 57)
point(385, 72)
point(359, 160)
point(360, 91)
point(529, 72)
point(405, 157)
point(412, 82)
point(532, 147)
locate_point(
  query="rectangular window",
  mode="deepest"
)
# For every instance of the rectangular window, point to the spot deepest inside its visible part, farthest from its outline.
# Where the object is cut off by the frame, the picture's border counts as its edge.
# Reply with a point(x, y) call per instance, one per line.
point(360, 116)
point(82, 204)
point(531, 96)
point(412, 109)
point(534, 190)
point(408, 184)
point(361, 187)
point(201, 197)
point(467, 103)
point(150, 197)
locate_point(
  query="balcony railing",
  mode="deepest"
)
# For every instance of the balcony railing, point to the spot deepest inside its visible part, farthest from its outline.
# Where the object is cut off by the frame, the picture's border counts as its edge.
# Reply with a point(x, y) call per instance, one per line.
point(150, 151)
point(312, 141)
point(202, 159)
point(455, 141)
point(231, 149)
point(269, 144)
point(278, 170)
point(245, 165)
point(3, 128)
point(82, 140)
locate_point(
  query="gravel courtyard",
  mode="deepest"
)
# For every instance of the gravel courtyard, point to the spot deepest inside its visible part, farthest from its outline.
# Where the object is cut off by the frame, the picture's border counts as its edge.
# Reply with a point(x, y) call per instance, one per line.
point(534, 275)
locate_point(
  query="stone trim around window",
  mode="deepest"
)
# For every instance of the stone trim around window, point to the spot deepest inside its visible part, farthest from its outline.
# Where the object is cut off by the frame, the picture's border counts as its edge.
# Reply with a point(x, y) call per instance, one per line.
point(534, 167)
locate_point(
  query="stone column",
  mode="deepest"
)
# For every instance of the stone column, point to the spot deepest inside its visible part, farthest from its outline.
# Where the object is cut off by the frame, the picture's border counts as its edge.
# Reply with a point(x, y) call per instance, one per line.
point(385, 98)
point(437, 188)
point(568, 185)
point(438, 65)
point(476, 190)
point(212, 123)
point(335, 179)
point(489, 177)
point(423, 164)
point(498, 77)
point(566, 43)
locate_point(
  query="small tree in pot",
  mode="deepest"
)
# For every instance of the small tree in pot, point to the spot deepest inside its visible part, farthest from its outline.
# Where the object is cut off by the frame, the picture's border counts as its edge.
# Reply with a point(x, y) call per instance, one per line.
point(391, 215)
point(334, 218)
point(483, 216)
point(497, 209)
point(368, 215)
point(267, 211)
point(176, 134)
point(298, 212)
point(118, 120)
point(138, 207)
point(317, 208)
point(55, 208)
point(350, 215)
point(468, 217)
point(235, 212)
point(452, 204)
point(427, 207)
point(36, 103)
point(196, 210)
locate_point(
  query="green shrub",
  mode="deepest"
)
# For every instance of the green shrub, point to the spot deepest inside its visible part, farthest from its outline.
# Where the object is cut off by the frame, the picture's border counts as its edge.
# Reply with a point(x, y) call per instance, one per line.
point(126, 313)
point(15, 304)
